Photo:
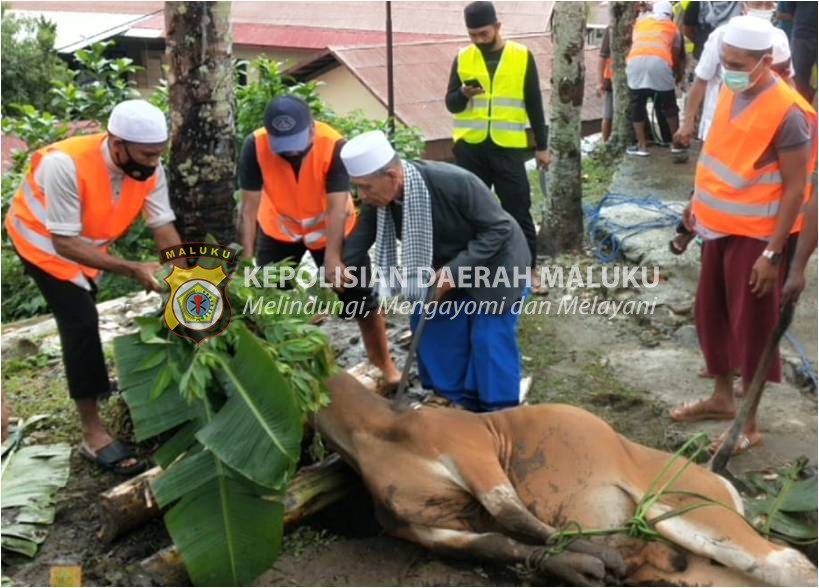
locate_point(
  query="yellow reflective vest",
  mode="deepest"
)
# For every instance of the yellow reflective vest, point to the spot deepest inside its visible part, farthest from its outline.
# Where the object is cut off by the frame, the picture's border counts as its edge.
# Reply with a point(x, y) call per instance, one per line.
point(501, 111)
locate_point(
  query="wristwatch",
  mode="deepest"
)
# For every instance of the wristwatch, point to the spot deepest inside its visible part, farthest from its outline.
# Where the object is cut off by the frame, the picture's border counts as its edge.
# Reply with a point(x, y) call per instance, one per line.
point(772, 256)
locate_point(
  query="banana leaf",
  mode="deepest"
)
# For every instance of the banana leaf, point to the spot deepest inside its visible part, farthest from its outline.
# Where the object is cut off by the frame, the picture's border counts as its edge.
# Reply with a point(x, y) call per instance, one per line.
point(31, 477)
point(152, 414)
point(258, 431)
point(226, 534)
point(183, 477)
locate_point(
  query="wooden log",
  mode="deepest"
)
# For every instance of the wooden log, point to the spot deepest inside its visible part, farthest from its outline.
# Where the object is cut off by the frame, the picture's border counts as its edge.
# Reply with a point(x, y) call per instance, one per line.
point(128, 506)
point(131, 504)
point(166, 568)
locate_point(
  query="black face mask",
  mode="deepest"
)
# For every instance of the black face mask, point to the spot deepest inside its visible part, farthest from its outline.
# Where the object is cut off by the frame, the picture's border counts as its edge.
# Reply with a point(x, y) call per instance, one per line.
point(134, 170)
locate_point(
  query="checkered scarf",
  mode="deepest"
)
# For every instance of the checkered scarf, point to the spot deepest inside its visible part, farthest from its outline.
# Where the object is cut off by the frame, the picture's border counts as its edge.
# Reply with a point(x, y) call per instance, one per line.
point(416, 231)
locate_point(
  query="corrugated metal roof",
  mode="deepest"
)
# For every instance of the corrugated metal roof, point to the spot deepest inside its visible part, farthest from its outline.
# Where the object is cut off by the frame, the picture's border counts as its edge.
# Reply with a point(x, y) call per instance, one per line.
point(422, 75)
point(424, 18)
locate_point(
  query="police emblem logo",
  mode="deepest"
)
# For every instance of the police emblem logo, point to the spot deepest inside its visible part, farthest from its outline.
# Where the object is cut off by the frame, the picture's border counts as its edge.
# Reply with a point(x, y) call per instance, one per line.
point(197, 307)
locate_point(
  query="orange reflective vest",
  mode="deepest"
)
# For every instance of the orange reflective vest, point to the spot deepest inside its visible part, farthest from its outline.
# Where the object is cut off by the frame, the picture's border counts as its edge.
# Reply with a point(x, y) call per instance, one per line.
point(652, 37)
point(731, 195)
point(104, 219)
point(295, 209)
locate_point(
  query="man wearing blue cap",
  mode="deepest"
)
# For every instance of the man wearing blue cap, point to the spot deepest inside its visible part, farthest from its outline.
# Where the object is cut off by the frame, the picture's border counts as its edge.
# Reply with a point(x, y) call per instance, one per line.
point(296, 198)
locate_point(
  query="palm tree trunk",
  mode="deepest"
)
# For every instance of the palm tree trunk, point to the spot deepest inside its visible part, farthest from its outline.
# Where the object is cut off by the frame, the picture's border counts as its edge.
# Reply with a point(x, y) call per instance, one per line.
point(200, 95)
point(621, 19)
point(563, 223)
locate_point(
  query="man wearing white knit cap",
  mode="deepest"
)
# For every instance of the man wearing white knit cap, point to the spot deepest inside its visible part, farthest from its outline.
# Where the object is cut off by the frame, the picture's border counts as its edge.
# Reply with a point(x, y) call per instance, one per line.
point(449, 224)
point(79, 196)
point(708, 73)
point(750, 187)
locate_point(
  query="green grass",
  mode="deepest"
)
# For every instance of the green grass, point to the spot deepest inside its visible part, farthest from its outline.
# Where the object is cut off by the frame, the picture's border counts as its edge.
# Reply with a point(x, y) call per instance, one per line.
point(597, 169)
point(36, 385)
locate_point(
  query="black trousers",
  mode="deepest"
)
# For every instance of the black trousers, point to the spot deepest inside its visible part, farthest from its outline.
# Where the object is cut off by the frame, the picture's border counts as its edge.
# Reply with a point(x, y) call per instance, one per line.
point(357, 302)
point(505, 171)
point(75, 311)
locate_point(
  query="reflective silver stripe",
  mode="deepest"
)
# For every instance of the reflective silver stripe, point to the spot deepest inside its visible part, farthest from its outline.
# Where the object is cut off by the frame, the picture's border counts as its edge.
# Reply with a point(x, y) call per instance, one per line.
point(288, 233)
point(479, 99)
point(314, 236)
point(45, 245)
point(36, 208)
point(509, 102)
point(735, 208)
point(507, 126)
point(312, 222)
point(735, 181)
point(478, 125)
point(642, 44)
point(34, 205)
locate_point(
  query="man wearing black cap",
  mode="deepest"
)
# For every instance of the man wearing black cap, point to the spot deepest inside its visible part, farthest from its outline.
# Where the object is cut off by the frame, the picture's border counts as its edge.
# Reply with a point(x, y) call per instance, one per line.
point(296, 196)
point(493, 90)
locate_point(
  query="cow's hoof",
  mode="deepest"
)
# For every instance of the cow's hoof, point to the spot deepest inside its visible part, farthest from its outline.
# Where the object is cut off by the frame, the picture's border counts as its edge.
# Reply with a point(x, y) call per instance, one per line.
point(611, 558)
point(576, 569)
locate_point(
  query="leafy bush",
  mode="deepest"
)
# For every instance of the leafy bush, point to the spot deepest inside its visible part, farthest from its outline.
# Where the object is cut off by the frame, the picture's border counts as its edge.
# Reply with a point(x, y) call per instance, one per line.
point(29, 62)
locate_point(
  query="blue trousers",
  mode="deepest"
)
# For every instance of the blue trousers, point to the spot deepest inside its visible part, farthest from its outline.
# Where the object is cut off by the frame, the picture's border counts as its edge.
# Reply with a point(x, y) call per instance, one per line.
point(470, 359)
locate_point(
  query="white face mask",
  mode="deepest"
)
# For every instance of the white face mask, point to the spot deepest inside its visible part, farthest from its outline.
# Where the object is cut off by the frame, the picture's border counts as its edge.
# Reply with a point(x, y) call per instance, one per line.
point(766, 15)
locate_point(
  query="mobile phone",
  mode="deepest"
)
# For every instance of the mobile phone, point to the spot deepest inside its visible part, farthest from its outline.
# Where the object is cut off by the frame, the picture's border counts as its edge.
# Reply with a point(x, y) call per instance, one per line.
point(473, 83)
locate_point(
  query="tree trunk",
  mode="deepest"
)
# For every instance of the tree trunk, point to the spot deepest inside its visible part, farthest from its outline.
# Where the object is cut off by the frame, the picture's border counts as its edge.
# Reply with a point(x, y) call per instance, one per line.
point(200, 95)
point(621, 19)
point(563, 222)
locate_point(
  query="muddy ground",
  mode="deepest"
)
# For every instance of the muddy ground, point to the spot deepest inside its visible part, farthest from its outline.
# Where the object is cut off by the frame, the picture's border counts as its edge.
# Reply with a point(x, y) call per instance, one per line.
point(629, 370)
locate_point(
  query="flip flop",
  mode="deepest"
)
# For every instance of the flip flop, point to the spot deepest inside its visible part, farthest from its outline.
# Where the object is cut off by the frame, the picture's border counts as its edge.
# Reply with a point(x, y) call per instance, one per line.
point(676, 248)
point(691, 412)
point(109, 457)
point(744, 443)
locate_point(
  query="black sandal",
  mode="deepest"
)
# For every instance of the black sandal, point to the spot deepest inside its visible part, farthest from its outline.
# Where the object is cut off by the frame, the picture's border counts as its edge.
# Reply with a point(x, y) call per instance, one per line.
point(110, 456)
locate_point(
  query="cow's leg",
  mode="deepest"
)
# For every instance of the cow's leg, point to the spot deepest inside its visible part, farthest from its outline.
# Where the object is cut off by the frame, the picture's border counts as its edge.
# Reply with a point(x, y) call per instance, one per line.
point(577, 569)
point(490, 485)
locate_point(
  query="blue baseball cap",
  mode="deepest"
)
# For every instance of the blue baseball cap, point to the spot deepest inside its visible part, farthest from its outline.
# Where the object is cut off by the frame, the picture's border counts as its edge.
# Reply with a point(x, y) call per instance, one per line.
point(287, 120)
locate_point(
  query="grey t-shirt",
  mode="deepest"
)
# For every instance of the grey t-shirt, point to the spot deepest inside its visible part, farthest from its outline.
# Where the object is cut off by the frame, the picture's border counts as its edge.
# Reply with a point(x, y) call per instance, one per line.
point(57, 178)
point(651, 72)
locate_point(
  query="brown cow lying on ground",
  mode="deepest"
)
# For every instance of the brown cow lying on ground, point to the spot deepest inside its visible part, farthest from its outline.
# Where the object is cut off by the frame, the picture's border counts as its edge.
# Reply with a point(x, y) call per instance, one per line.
point(496, 486)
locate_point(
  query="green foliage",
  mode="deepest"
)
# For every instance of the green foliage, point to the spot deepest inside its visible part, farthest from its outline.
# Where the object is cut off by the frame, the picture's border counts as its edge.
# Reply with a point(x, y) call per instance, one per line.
point(268, 83)
point(29, 62)
point(785, 506)
point(237, 414)
point(100, 84)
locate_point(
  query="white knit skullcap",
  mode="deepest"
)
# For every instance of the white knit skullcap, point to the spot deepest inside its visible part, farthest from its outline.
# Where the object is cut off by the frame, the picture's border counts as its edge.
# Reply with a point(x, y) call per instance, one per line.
point(662, 9)
point(138, 121)
point(366, 154)
point(749, 32)
point(781, 46)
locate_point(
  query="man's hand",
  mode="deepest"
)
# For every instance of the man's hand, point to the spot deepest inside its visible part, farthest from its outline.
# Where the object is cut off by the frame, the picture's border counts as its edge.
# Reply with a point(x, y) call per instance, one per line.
point(543, 158)
point(334, 273)
point(472, 91)
point(442, 288)
point(684, 135)
point(764, 275)
point(144, 274)
point(793, 286)
point(601, 89)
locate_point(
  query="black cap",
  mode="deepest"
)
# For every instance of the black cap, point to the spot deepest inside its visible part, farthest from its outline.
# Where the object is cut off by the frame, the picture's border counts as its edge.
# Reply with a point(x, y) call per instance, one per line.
point(479, 14)
point(287, 120)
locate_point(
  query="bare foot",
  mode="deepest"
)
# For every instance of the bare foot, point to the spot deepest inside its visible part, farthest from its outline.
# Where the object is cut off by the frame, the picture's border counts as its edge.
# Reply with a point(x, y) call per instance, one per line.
point(707, 409)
